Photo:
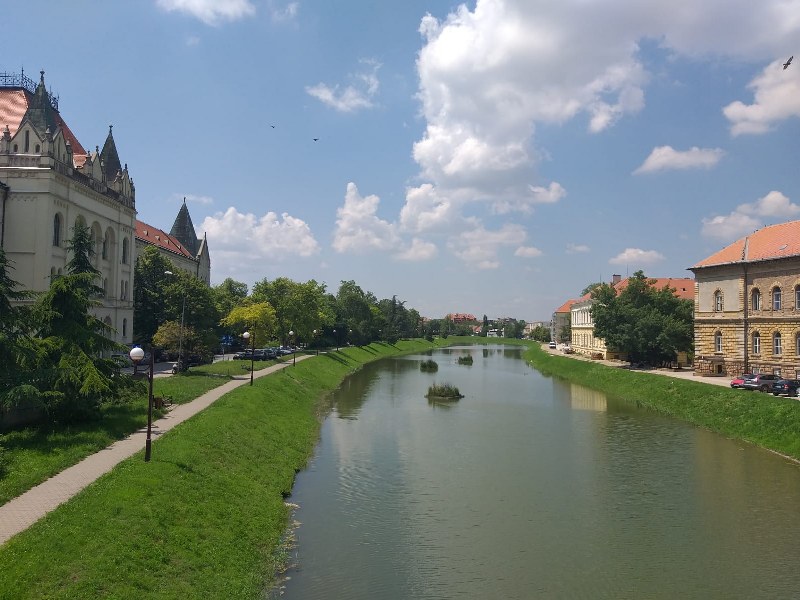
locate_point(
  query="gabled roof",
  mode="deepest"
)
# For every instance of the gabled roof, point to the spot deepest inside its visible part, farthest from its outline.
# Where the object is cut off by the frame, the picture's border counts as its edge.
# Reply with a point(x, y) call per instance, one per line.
point(564, 308)
point(768, 243)
point(157, 237)
point(14, 104)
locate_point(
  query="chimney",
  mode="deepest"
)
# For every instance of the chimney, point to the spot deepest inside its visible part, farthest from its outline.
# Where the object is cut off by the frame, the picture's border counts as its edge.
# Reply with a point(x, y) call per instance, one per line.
point(615, 279)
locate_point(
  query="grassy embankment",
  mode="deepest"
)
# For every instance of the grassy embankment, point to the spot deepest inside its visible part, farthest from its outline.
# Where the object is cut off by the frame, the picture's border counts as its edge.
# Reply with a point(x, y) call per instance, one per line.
point(758, 418)
point(34, 454)
point(204, 518)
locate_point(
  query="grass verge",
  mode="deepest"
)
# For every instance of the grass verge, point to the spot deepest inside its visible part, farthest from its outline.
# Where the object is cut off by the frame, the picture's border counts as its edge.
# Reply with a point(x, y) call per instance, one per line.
point(34, 454)
point(205, 517)
point(762, 419)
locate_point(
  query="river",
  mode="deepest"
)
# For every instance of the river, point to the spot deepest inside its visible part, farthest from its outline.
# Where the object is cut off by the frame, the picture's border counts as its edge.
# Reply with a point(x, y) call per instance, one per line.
point(532, 487)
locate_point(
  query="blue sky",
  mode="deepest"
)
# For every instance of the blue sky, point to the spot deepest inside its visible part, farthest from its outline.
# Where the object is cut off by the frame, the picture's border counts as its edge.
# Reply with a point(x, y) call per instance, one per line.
point(491, 157)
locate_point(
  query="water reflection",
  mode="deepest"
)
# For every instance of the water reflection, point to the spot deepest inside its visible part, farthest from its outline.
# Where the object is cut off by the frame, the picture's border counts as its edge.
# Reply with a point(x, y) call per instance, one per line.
point(531, 487)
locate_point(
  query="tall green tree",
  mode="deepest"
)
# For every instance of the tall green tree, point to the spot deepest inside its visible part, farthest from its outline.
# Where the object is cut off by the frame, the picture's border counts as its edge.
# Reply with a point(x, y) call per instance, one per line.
point(19, 352)
point(299, 307)
point(648, 324)
point(73, 376)
point(150, 305)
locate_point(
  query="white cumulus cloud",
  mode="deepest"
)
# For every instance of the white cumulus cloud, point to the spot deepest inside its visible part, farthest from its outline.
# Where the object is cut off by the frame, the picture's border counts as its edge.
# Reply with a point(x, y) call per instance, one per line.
point(351, 97)
point(577, 248)
point(479, 247)
point(210, 12)
point(527, 252)
point(358, 228)
point(636, 256)
point(418, 251)
point(744, 219)
point(776, 94)
point(664, 158)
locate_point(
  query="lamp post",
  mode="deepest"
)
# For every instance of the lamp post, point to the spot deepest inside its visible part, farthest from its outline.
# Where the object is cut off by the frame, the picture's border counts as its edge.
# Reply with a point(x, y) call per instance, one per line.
point(336, 338)
point(315, 342)
point(294, 348)
point(252, 337)
point(137, 354)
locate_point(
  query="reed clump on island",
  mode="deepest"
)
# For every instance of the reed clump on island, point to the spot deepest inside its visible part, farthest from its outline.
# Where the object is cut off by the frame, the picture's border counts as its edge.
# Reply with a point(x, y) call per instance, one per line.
point(465, 360)
point(444, 390)
point(429, 366)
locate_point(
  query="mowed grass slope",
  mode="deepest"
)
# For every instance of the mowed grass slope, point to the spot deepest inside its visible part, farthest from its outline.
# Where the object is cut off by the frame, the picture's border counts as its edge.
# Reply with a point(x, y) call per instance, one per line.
point(203, 519)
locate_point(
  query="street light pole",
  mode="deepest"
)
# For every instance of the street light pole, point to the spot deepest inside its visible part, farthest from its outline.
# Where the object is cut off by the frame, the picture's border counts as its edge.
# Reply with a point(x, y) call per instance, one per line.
point(137, 354)
point(294, 348)
point(247, 335)
point(336, 339)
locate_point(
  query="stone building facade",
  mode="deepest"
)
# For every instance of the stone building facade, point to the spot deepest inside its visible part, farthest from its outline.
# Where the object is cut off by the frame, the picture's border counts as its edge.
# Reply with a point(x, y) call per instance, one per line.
point(747, 305)
point(50, 183)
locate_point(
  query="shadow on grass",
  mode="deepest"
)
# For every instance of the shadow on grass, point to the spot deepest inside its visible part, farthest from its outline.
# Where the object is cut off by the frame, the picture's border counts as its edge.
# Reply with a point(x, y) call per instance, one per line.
point(338, 357)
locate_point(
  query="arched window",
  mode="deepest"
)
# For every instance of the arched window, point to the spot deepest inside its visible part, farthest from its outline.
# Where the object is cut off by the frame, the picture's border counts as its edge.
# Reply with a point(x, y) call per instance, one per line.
point(776, 298)
point(797, 344)
point(105, 247)
point(27, 141)
point(756, 343)
point(125, 251)
point(717, 341)
point(124, 327)
point(718, 304)
point(777, 348)
point(105, 287)
point(797, 297)
point(755, 299)
point(122, 290)
point(57, 230)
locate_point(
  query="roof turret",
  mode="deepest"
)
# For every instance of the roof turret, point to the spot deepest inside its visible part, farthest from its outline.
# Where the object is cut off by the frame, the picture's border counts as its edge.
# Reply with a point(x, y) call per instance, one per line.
point(40, 109)
point(110, 158)
point(183, 230)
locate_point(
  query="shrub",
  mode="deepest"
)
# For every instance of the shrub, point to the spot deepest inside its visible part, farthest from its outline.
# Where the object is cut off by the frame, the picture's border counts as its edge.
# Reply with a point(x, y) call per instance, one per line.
point(465, 360)
point(443, 390)
point(430, 366)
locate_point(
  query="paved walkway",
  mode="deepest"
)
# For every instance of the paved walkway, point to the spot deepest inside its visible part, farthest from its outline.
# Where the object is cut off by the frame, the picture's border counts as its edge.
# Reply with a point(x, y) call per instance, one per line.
point(23, 511)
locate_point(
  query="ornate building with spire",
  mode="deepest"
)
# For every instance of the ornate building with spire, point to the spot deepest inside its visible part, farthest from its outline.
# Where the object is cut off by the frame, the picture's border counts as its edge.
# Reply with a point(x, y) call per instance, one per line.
point(48, 183)
point(181, 245)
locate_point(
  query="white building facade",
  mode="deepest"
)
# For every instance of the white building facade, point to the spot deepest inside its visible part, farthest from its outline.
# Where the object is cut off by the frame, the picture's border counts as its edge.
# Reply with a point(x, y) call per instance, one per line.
point(50, 183)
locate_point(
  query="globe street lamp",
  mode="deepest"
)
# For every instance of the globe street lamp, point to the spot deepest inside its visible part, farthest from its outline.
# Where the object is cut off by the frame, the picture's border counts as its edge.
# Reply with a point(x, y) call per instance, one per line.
point(247, 336)
point(137, 354)
point(294, 348)
point(315, 342)
point(336, 339)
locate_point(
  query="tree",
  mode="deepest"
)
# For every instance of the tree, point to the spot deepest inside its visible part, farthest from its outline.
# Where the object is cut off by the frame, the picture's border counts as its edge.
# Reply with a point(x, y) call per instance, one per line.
point(72, 375)
point(540, 333)
point(228, 294)
point(649, 325)
point(299, 307)
point(590, 288)
point(19, 352)
point(150, 305)
point(256, 317)
point(485, 327)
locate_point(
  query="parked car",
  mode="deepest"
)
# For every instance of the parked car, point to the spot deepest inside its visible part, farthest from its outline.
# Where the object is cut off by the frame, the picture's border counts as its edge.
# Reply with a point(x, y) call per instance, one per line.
point(738, 382)
point(243, 354)
point(761, 381)
point(786, 387)
point(552, 345)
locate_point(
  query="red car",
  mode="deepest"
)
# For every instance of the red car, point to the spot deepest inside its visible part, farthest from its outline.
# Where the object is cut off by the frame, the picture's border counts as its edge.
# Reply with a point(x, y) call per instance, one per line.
point(737, 382)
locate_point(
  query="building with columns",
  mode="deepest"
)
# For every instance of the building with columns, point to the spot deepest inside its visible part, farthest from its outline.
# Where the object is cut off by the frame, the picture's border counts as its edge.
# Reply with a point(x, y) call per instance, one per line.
point(48, 183)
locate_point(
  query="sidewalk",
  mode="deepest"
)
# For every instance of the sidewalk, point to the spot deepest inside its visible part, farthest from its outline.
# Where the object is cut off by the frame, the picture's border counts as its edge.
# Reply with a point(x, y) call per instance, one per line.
point(23, 511)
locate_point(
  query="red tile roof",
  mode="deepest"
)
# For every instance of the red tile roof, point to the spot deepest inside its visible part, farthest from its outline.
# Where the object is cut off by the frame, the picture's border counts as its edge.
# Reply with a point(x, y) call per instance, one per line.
point(768, 243)
point(564, 308)
point(683, 286)
point(13, 105)
point(157, 237)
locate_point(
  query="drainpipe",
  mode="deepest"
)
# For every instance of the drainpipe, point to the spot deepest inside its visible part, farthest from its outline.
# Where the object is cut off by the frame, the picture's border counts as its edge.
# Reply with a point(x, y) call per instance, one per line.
point(744, 323)
point(5, 189)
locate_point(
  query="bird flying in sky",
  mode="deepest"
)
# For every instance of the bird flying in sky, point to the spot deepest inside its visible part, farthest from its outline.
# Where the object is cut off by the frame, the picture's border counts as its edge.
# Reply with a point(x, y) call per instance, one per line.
point(316, 139)
point(788, 62)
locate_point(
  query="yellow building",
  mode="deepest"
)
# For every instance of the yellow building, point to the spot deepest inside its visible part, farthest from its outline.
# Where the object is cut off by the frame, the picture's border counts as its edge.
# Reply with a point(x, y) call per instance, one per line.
point(747, 305)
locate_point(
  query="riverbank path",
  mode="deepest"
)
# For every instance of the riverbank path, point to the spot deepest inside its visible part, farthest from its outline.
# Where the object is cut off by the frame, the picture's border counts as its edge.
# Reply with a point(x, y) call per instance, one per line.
point(23, 511)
